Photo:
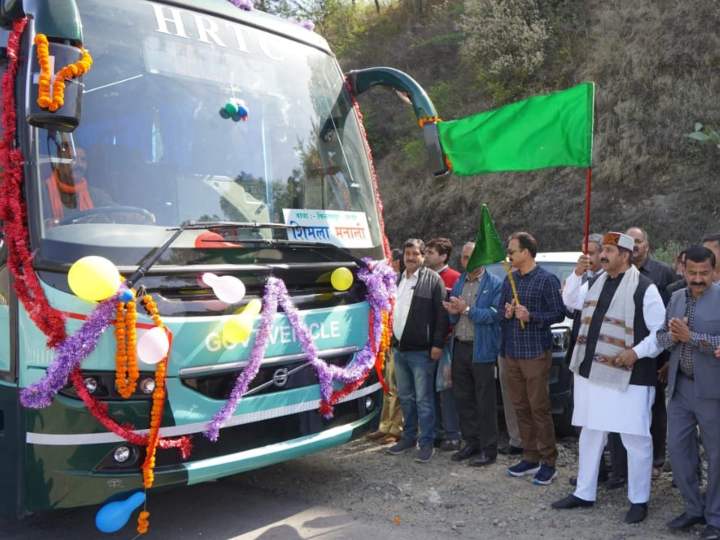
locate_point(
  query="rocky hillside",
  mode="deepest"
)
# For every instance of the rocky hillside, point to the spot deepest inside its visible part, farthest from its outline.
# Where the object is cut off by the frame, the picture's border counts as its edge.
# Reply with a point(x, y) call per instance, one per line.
point(656, 64)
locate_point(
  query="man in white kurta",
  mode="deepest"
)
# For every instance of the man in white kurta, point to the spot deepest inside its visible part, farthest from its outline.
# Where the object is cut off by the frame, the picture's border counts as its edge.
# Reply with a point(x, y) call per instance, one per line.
point(615, 372)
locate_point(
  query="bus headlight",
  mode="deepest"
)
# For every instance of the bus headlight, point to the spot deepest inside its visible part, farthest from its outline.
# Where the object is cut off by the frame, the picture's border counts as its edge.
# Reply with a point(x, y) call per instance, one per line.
point(369, 403)
point(147, 385)
point(91, 384)
point(122, 454)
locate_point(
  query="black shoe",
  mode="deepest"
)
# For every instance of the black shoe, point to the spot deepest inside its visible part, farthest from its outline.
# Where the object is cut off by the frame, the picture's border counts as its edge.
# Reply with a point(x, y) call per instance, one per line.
point(510, 450)
point(571, 501)
point(450, 446)
point(710, 533)
point(482, 459)
point(614, 482)
point(465, 452)
point(683, 521)
point(637, 513)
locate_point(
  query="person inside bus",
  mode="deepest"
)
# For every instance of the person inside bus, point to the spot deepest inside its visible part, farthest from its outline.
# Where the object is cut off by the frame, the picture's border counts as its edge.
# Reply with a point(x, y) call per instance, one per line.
point(67, 186)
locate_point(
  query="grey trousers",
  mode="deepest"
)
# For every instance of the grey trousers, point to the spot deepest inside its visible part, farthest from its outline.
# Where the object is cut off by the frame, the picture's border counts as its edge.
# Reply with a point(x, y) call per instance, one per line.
point(685, 413)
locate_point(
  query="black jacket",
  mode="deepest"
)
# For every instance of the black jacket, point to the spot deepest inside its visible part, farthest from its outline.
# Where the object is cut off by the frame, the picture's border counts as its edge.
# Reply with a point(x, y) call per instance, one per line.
point(427, 321)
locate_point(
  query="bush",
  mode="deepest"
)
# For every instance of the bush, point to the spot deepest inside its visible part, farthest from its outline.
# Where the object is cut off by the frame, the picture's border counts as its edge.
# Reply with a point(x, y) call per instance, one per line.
point(505, 39)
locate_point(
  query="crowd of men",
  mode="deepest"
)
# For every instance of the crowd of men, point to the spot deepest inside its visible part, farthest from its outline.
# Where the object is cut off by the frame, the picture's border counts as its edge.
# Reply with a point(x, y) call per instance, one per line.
point(641, 332)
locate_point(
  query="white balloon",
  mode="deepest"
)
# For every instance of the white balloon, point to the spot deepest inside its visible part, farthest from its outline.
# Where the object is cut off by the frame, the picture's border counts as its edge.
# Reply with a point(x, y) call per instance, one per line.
point(153, 346)
point(228, 289)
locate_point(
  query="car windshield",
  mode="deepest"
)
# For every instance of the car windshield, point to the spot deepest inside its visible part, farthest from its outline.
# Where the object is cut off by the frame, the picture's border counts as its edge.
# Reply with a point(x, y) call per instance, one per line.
point(158, 143)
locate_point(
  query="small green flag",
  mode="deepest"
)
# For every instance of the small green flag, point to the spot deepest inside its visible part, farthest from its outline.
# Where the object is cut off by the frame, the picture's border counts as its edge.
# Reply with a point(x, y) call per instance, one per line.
point(554, 130)
point(488, 246)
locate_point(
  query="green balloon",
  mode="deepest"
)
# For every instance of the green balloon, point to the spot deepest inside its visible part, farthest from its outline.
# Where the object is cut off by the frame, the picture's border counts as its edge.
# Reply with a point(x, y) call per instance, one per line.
point(231, 108)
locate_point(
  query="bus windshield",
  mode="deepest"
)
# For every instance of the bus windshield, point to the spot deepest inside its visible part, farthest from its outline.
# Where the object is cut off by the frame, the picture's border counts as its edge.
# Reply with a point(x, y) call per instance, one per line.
point(160, 143)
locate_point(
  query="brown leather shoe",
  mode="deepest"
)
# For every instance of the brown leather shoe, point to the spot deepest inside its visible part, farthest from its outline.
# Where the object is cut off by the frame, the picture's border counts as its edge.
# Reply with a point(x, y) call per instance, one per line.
point(390, 439)
point(375, 435)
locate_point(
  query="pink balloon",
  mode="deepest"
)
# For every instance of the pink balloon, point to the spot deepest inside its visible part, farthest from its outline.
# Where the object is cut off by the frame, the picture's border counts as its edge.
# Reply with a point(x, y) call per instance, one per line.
point(153, 346)
point(228, 289)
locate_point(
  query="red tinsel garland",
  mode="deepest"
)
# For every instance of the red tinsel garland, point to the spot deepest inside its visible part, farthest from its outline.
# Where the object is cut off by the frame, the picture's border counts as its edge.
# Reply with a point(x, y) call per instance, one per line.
point(100, 411)
point(12, 208)
point(373, 173)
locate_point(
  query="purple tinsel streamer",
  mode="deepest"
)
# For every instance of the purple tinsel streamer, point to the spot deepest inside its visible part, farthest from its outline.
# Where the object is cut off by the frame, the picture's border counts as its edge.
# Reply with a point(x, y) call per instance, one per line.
point(379, 279)
point(247, 5)
point(69, 354)
point(246, 376)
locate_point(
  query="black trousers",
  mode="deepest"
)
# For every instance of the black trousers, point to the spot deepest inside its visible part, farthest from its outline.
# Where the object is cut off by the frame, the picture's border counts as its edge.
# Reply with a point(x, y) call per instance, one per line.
point(475, 395)
point(658, 427)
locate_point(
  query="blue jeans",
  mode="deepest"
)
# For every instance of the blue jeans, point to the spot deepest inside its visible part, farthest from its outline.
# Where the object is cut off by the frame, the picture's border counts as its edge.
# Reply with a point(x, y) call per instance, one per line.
point(415, 376)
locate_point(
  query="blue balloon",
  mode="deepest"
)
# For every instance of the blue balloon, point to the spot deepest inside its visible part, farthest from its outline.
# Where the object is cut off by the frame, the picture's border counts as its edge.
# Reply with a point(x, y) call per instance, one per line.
point(114, 516)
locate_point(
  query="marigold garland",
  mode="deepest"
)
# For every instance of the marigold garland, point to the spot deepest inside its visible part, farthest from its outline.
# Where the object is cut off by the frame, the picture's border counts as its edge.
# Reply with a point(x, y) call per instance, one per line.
point(143, 522)
point(428, 120)
point(148, 466)
point(384, 347)
point(126, 366)
point(53, 102)
point(13, 211)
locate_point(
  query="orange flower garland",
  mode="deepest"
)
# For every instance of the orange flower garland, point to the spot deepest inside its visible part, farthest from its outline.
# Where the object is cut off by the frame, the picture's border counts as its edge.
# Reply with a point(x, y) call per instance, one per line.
point(143, 522)
point(57, 99)
point(126, 367)
point(43, 53)
point(156, 413)
point(428, 120)
point(385, 341)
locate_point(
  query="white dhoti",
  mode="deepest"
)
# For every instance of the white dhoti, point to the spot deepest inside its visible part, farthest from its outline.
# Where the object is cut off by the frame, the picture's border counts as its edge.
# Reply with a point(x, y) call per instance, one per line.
point(599, 411)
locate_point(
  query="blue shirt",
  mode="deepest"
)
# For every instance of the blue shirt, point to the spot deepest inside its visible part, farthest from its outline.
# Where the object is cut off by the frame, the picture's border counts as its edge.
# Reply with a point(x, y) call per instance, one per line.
point(539, 292)
point(484, 316)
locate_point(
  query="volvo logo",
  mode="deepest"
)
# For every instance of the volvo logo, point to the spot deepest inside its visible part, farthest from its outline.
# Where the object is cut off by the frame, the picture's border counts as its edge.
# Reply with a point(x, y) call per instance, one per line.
point(280, 377)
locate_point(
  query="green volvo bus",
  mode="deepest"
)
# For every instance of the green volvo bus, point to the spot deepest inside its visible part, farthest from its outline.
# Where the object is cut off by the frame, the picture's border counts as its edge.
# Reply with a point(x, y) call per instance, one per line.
point(146, 143)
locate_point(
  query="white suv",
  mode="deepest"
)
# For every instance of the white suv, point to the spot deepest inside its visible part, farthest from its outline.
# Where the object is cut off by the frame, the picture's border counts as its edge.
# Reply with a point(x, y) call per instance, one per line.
point(562, 264)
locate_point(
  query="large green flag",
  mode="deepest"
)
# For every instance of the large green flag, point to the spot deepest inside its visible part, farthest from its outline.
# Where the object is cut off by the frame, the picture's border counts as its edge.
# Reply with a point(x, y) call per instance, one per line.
point(488, 246)
point(554, 130)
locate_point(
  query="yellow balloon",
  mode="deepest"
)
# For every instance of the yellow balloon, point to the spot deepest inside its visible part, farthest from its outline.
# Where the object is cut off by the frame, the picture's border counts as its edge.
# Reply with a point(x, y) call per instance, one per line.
point(341, 279)
point(239, 327)
point(94, 278)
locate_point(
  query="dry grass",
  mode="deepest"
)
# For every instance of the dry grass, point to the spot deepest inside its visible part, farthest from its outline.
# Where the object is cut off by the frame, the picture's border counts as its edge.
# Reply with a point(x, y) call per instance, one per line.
point(657, 67)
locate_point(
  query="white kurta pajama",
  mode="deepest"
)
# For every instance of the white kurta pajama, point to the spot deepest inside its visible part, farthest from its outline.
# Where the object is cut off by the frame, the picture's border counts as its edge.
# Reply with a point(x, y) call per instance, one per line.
point(600, 410)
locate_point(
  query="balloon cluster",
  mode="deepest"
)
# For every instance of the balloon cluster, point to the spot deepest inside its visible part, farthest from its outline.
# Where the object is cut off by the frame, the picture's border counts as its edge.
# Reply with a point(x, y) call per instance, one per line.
point(236, 109)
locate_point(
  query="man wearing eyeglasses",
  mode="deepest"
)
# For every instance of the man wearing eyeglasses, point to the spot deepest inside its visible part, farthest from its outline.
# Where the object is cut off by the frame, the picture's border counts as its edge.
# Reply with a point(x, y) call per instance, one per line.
point(527, 349)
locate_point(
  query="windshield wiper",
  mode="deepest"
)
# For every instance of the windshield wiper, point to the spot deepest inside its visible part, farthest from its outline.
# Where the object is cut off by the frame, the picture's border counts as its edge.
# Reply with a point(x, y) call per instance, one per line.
point(143, 267)
point(190, 225)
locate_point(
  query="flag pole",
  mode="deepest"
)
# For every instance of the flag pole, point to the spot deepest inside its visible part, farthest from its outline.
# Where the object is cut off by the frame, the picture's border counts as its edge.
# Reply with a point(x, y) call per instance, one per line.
point(588, 189)
point(513, 287)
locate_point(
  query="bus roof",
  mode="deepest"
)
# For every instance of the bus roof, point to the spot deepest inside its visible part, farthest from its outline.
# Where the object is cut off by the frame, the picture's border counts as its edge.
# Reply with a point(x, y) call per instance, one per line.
point(256, 18)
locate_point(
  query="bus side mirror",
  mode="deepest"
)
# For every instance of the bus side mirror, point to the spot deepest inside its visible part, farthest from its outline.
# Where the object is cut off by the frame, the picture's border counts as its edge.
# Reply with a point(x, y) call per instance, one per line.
point(67, 117)
point(436, 158)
